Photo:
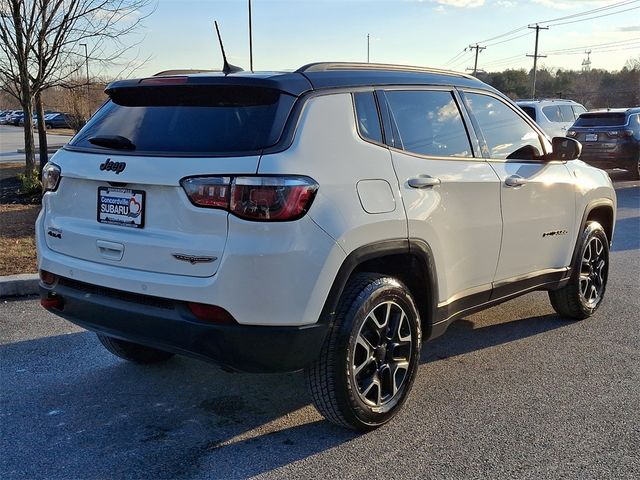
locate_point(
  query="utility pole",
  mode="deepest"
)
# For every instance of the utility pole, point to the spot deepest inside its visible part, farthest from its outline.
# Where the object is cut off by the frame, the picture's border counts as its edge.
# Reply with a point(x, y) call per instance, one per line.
point(250, 41)
point(478, 49)
point(367, 48)
point(86, 62)
point(535, 59)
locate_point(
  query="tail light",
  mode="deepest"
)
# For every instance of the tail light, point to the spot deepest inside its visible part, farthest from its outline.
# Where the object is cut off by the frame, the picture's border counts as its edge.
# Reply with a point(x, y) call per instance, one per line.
point(572, 133)
point(620, 133)
point(258, 198)
point(50, 177)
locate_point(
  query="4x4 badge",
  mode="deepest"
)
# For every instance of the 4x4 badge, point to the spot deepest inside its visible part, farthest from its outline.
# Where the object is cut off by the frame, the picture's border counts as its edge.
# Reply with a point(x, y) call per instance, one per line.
point(110, 166)
point(192, 259)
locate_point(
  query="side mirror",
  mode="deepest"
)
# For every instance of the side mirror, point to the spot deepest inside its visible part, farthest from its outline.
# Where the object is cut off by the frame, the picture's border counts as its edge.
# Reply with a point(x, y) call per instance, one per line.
point(565, 148)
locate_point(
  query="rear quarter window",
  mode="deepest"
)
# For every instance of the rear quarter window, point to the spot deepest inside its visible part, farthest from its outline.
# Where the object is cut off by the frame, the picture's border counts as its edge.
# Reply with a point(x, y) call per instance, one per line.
point(367, 116)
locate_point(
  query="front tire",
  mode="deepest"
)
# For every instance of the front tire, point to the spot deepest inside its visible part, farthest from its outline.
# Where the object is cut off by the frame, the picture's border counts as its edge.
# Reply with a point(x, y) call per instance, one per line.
point(133, 352)
point(368, 362)
point(582, 296)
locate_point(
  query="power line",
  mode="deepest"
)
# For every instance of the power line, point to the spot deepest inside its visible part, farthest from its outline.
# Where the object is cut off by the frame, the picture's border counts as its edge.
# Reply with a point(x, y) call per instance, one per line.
point(594, 10)
point(593, 18)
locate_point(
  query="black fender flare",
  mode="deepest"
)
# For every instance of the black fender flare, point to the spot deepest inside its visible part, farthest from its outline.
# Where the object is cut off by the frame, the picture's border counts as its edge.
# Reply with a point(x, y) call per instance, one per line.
point(401, 246)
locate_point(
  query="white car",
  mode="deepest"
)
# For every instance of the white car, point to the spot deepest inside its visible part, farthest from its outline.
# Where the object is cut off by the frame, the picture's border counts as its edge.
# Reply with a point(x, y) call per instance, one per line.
point(329, 219)
point(554, 116)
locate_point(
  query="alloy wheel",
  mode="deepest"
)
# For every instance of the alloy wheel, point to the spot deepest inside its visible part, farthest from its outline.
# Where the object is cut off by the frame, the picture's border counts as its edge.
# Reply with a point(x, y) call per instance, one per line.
point(593, 272)
point(382, 353)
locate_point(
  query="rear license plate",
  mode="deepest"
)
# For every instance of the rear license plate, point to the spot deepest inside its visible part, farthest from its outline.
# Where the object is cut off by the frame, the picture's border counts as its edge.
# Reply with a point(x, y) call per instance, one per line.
point(121, 206)
point(591, 137)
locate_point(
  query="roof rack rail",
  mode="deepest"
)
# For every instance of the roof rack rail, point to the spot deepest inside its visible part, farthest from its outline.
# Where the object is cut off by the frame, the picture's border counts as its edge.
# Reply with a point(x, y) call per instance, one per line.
point(182, 72)
point(329, 66)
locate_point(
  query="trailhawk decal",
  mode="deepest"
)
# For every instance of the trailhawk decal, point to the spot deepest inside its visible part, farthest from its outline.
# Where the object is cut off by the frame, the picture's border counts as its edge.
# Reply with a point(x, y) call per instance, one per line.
point(192, 259)
point(553, 233)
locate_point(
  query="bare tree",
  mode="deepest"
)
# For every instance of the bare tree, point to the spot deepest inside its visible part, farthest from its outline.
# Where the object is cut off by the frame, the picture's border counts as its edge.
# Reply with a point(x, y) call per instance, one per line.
point(40, 48)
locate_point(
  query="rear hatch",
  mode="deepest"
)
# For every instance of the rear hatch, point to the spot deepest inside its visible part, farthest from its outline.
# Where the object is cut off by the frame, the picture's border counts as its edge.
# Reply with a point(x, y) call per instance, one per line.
point(600, 133)
point(120, 201)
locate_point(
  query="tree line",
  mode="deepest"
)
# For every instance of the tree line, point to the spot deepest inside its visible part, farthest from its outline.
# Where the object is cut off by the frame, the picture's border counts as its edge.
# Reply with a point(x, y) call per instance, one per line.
point(593, 88)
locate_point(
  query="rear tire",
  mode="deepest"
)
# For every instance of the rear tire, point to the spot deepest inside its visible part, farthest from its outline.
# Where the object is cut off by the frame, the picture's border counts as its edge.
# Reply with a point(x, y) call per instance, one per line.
point(133, 352)
point(582, 296)
point(368, 362)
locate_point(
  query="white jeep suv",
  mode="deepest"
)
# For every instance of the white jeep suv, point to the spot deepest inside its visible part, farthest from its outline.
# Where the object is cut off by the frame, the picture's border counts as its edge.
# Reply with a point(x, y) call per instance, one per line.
point(330, 219)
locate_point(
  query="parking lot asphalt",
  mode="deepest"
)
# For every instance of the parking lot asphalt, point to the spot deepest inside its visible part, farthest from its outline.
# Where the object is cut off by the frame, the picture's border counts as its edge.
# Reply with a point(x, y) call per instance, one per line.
point(512, 392)
point(12, 139)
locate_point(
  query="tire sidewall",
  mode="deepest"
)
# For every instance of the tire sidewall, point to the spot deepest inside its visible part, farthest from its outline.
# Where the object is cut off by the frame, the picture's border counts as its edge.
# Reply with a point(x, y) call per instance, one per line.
point(377, 292)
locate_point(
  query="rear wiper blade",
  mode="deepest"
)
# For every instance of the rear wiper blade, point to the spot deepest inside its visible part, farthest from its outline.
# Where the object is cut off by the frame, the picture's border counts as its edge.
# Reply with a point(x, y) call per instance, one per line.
point(116, 142)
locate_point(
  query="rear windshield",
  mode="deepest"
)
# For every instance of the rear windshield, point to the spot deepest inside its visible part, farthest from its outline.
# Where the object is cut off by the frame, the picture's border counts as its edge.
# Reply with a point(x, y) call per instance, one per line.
point(605, 119)
point(195, 120)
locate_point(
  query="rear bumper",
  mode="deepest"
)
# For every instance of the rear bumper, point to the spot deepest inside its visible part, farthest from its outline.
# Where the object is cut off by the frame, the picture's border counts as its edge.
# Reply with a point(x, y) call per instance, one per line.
point(169, 325)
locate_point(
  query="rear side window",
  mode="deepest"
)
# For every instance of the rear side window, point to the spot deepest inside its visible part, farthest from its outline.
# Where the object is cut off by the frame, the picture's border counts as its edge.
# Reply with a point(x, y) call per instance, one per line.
point(602, 119)
point(566, 113)
point(367, 116)
point(429, 123)
point(507, 135)
point(552, 112)
point(190, 120)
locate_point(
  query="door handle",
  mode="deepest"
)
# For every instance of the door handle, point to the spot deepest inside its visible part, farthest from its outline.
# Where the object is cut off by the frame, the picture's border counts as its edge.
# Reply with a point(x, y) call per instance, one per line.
point(515, 181)
point(423, 181)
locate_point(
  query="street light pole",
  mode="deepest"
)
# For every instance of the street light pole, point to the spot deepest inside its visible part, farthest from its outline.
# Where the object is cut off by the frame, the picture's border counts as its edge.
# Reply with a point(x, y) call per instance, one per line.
point(367, 48)
point(86, 61)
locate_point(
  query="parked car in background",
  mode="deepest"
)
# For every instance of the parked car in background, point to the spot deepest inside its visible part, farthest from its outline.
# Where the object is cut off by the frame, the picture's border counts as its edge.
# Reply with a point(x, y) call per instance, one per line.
point(554, 116)
point(58, 120)
point(610, 139)
point(15, 118)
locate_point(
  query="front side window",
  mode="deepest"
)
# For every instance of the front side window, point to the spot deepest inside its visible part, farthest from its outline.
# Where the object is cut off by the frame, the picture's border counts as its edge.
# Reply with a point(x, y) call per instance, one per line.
point(429, 123)
point(367, 116)
point(507, 135)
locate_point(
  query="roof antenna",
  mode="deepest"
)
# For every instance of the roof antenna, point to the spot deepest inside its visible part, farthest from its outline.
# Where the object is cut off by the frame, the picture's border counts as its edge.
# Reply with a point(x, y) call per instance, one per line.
point(227, 68)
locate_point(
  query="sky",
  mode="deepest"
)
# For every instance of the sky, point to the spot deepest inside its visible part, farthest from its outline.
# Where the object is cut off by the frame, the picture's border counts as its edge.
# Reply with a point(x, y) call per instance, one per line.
point(290, 33)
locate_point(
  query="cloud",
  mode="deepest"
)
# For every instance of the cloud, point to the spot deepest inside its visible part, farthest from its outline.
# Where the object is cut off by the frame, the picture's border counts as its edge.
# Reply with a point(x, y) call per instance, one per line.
point(565, 5)
point(440, 9)
point(506, 3)
point(461, 3)
point(630, 28)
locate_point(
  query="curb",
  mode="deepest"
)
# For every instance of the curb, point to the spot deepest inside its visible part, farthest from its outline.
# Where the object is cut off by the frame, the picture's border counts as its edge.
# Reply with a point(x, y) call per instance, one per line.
point(18, 285)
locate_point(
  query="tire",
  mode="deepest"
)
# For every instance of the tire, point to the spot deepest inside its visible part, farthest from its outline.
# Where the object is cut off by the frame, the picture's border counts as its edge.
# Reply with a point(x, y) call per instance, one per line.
point(634, 173)
point(584, 293)
point(358, 381)
point(133, 352)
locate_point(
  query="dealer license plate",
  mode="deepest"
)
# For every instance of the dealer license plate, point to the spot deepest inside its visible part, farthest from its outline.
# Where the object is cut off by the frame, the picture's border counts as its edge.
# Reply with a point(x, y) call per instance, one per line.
point(591, 137)
point(121, 206)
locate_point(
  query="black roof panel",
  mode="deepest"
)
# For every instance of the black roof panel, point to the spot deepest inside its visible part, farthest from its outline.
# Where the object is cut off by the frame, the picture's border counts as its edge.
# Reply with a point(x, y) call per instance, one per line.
point(323, 76)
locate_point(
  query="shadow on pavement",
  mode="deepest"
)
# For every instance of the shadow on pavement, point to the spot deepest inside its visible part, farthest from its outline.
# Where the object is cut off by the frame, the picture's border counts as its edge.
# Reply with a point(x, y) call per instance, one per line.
point(69, 409)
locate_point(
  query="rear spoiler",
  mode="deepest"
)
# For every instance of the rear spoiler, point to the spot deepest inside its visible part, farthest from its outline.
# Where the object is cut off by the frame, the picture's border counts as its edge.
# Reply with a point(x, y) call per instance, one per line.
point(290, 83)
